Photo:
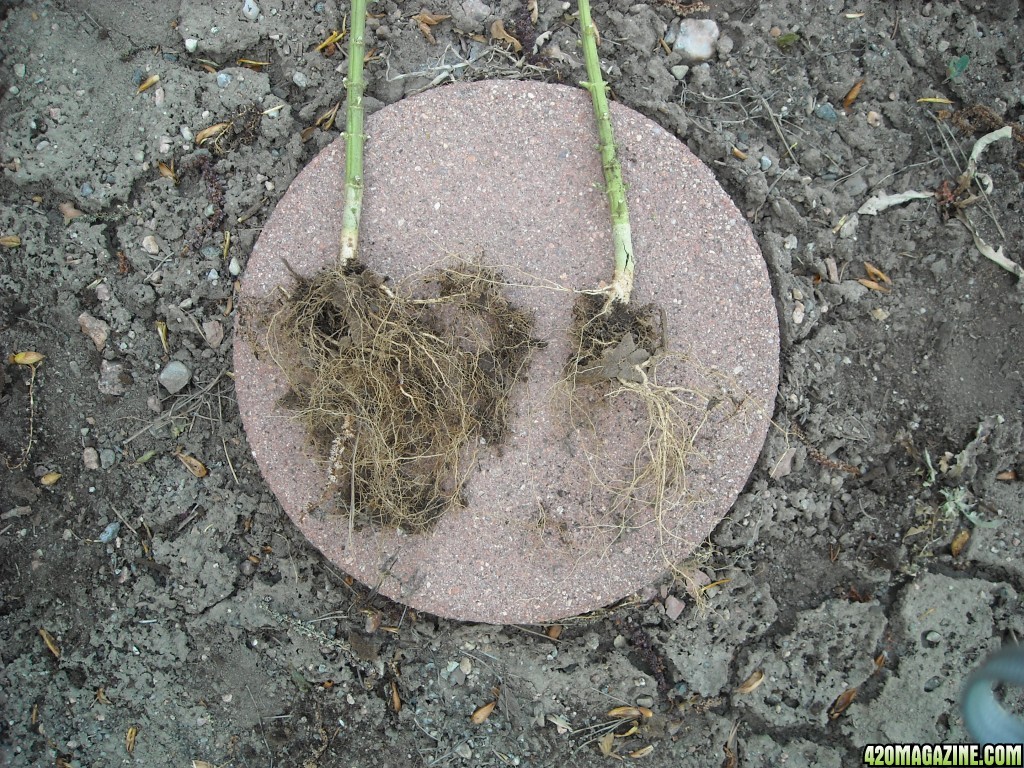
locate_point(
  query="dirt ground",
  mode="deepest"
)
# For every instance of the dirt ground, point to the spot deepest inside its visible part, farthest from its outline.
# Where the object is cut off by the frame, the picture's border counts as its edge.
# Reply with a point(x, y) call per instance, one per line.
point(151, 617)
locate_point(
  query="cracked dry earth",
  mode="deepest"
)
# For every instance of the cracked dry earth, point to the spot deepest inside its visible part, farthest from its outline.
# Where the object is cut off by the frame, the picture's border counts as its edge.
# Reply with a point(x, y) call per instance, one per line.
point(877, 546)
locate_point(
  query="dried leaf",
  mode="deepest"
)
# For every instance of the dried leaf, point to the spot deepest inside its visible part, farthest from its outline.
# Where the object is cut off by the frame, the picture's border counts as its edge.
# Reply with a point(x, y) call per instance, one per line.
point(167, 171)
point(69, 212)
point(561, 724)
point(872, 285)
point(633, 728)
point(211, 132)
point(10, 241)
point(751, 683)
point(129, 739)
point(607, 744)
point(645, 712)
point(933, 100)
point(192, 464)
point(148, 83)
point(50, 478)
point(729, 748)
point(161, 331)
point(256, 65)
point(425, 20)
point(642, 752)
point(624, 713)
point(852, 94)
point(844, 700)
point(739, 154)
point(531, 6)
point(396, 699)
point(879, 203)
point(332, 39)
point(482, 713)
point(876, 274)
point(498, 33)
point(101, 696)
point(956, 547)
point(27, 358)
point(51, 643)
point(1007, 476)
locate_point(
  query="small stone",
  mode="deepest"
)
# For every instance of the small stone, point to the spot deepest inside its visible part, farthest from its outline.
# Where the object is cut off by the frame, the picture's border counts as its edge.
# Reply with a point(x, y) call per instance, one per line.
point(165, 145)
point(247, 567)
point(110, 378)
point(799, 313)
point(234, 267)
point(95, 329)
point(175, 376)
point(186, 133)
point(191, 44)
point(213, 330)
point(158, 97)
point(250, 10)
point(766, 162)
point(674, 607)
point(154, 404)
point(300, 79)
point(150, 245)
point(103, 292)
point(464, 751)
point(679, 71)
point(645, 701)
point(19, 70)
point(466, 666)
point(223, 79)
point(91, 458)
point(874, 119)
point(826, 112)
point(86, 189)
point(110, 532)
point(933, 638)
point(697, 40)
point(107, 458)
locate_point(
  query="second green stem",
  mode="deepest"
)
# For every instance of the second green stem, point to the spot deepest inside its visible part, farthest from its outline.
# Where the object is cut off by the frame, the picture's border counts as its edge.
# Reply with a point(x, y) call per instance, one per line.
point(354, 135)
point(622, 237)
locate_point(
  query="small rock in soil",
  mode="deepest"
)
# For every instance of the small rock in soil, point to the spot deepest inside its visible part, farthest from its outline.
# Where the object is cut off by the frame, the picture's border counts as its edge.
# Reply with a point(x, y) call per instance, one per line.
point(213, 330)
point(110, 378)
point(95, 329)
point(696, 40)
point(175, 376)
point(91, 458)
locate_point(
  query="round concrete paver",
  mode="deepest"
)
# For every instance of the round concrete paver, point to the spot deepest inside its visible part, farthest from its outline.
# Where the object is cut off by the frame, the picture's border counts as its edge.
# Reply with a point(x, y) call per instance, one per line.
point(508, 174)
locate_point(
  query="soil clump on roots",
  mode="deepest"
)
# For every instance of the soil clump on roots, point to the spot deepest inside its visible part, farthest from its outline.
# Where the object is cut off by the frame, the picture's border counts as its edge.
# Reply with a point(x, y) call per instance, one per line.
point(396, 392)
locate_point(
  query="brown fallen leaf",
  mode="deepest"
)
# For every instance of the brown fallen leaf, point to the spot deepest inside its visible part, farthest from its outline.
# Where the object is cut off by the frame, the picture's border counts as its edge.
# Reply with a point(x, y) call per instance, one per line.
point(192, 464)
point(69, 212)
point(396, 699)
point(729, 748)
point(873, 285)
point(498, 33)
point(167, 171)
point(10, 241)
point(148, 83)
point(50, 478)
point(844, 700)
point(211, 132)
point(129, 739)
point(956, 547)
point(482, 713)
point(624, 713)
point(852, 94)
point(607, 744)
point(1008, 476)
point(876, 274)
point(751, 683)
point(636, 754)
point(425, 20)
point(50, 641)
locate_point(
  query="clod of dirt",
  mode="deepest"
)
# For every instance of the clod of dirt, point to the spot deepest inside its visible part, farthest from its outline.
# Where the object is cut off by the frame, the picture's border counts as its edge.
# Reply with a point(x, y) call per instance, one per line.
point(396, 393)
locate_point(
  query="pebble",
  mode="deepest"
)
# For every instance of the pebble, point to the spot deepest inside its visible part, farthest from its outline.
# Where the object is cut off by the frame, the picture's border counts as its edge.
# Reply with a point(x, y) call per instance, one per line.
point(191, 44)
point(110, 532)
point(86, 189)
point(110, 378)
point(175, 376)
point(91, 458)
point(250, 10)
point(150, 245)
point(766, 162)
point(674, 607)
point(679, 71)
point(696, 40)
point(95, 329)
point(234, 267)
point(213, 330)
point(826, 112)
point(300, 79)
point(165, 145)
point(158, 97)
point(933, 638)
point(19, 70)
point(223, 79)
point(464, 751)
point(247, 567)
point(107, 458)
point(186, 133)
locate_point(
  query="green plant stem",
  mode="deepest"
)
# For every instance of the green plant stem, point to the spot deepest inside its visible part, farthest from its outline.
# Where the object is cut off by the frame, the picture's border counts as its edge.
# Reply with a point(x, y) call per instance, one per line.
point(354, 135)
point(622, 237)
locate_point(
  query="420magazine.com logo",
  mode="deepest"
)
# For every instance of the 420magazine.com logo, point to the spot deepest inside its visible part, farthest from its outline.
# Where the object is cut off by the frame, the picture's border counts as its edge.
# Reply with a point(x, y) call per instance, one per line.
point(944, 754)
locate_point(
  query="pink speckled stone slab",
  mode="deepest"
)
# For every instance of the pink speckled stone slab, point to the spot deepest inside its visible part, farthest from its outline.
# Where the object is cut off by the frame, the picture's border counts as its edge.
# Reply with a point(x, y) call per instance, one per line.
point(508, 173)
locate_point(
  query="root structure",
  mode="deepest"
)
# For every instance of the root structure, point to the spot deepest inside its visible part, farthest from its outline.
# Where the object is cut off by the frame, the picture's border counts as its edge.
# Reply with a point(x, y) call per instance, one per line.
point(396, 392)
